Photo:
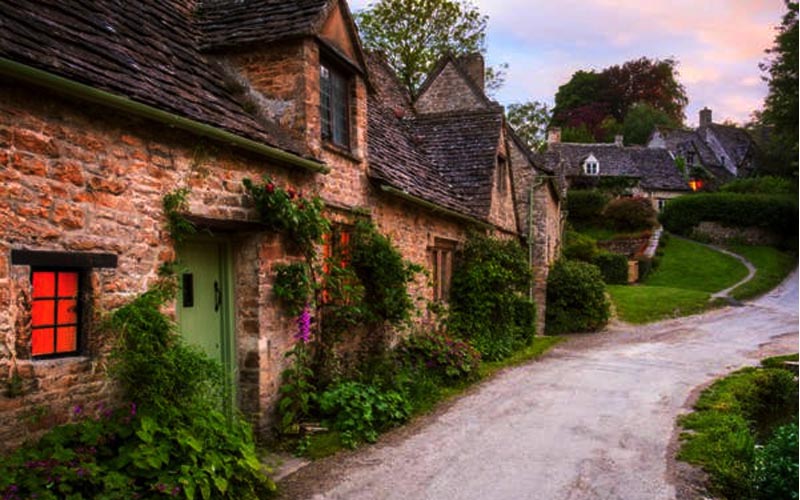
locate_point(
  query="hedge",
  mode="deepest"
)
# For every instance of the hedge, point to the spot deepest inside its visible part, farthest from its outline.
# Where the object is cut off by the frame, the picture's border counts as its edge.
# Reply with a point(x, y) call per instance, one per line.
point(578, 246)
point(576, 298)
point(630, 214)
point(776, 213)
point(613, 267)
point(761, 185)
point(585, 206)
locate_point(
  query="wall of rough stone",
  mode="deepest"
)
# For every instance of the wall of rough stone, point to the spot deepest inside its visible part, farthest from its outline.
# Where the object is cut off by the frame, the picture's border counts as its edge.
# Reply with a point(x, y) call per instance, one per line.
point(448, 92)
point(717, 233)
point(547, 231)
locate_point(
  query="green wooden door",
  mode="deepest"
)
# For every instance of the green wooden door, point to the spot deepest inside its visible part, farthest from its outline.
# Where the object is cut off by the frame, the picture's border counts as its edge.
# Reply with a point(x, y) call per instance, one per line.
point(204, 302)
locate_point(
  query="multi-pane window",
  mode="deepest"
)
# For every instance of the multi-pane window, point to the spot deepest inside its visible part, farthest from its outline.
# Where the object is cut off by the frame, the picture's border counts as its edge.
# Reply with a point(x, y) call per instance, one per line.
point(55, 318)
point(690, 158)
point(661, 203)
point(591, 167)
point(335, 106)
point(441, 260)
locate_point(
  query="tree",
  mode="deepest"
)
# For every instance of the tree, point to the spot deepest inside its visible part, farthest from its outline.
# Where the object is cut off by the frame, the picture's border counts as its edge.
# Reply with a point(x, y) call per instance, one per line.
point(584, 88)
point(530, 120)
point(640, 122)
point(781, 105)
point(414, 34)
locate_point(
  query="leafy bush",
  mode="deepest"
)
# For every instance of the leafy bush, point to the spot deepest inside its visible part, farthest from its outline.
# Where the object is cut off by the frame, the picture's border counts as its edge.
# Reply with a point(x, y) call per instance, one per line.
point(585, 206)
point(578, 246)
point(760, 185)
point(489, 304)
point(172, 439)
point(613, 267)
point(775, 465)
point(298, 393)
point(293, 286)
point(630, 214)
point(449, 359)
point(776, 213)
point(576, 300)
point(359, 411)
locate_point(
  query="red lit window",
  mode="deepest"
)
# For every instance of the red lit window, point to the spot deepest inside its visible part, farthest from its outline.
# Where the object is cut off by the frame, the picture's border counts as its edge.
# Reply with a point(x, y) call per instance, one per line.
point(335, 248)
point(54, 315)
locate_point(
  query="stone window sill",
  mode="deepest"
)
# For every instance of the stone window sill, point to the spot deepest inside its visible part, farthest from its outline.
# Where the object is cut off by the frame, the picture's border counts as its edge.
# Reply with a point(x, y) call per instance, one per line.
point(341, 151)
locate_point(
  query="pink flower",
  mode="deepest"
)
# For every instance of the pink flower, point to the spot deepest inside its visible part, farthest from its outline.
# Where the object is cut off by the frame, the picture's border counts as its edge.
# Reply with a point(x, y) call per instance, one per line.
point(304, 325)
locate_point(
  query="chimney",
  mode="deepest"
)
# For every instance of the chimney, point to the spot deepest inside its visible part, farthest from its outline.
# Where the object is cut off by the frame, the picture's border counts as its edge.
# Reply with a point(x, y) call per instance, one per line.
point(618, 140)
point(473, 65)
point(554, 135)
point(705, 117)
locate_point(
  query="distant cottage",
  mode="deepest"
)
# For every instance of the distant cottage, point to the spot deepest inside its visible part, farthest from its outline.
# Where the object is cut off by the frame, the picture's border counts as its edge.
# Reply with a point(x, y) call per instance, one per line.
point(108, 106)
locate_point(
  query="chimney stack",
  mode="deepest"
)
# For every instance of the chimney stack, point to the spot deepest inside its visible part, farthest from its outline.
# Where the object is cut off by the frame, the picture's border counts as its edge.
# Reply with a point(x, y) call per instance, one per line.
point(554, 135)
point(474, 66)
point(705, 117)
point(618, 140)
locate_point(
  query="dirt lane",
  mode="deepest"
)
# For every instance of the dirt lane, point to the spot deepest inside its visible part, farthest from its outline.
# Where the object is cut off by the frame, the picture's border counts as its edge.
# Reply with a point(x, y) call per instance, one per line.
point(591, 420)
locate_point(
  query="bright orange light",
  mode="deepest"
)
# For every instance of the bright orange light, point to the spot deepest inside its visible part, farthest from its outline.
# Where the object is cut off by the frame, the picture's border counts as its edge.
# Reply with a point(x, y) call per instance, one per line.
point(696, 184)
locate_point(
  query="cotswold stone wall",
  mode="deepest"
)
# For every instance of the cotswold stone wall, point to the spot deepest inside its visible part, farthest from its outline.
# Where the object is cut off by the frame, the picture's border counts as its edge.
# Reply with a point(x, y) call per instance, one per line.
point(448, 92)
point(717, 233)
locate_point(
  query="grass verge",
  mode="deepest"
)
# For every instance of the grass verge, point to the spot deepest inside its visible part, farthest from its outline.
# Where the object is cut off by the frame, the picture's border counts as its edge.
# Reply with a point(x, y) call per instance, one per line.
point(732, 417)
point(772, 267)
point(321, 445)
point(640, 304)
point(691, 266)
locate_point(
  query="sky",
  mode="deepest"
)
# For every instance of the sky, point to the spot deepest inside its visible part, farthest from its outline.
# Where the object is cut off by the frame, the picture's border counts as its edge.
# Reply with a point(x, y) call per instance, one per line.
point(718, 45)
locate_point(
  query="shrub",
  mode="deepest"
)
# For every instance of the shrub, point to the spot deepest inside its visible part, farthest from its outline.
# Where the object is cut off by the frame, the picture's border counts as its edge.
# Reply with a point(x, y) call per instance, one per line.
point(630, 214)
point(579, 246)
point(359, 411)
point(489, 304)
point(293, 286)
point(451, 360)
point(776, 213)
point(647, 265)
point(760, 185)
point(775, 466)
point(576, 300)
point(585, 206)
point(613, 267)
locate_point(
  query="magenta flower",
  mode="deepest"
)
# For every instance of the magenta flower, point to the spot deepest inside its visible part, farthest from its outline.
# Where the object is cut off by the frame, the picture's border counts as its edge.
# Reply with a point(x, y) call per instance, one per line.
point(304, 325)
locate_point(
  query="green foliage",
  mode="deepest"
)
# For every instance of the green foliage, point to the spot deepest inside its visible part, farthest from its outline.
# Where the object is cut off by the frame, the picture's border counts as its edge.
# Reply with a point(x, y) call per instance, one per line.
point(175, 205)
point(451, 360)
point(298, 393)
point(576, 300)
point(613, 267)
point(772, 267)
point(288, 211)
point(776, 213)
point(359, 411)
point(383, 273)
point(578, 246)
point(780, 362)
point(729, 418)
point(760, 185)
point(630, 214)
point(579, 134)
point(293, 286)
point(775, 467)
point(414, 35)
point(644, 304)
point(586, 206)
point(489, 304)
point(530, 120)
point(641, 120)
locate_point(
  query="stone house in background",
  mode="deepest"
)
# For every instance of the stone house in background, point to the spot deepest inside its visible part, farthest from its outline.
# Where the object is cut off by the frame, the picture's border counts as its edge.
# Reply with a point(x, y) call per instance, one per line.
point(106, 107)
point(724, 151)
point(628, 170)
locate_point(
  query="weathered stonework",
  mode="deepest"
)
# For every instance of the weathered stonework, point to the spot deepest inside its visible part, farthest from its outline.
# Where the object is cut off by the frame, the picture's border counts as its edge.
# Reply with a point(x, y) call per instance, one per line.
point(717, 233)
point(448, 92)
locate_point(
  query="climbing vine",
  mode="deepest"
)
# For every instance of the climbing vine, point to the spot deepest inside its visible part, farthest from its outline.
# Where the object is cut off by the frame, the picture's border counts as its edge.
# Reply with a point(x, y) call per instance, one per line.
point(175, 205)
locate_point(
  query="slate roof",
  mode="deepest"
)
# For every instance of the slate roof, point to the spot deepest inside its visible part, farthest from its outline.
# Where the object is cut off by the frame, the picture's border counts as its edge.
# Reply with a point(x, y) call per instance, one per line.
point(233, 23)
point(736, 142)
point(146, 50)
point(681, 140)
point(654, 167)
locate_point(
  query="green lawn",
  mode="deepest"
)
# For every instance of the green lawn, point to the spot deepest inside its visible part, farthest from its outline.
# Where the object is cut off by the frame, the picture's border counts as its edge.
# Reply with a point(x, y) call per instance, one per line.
point(692, 266)
point(681, 285)
point(772, 267)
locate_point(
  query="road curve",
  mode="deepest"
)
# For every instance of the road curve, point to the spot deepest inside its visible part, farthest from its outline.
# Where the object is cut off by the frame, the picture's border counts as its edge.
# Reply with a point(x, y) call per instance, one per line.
point(593, 419)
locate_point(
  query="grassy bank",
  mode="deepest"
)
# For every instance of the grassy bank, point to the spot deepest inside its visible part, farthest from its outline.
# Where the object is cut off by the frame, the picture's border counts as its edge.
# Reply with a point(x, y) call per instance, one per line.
point(772, 267)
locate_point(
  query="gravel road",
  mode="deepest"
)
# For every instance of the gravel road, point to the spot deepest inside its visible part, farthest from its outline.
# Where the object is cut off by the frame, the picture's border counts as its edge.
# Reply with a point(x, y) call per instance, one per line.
point(594, 419)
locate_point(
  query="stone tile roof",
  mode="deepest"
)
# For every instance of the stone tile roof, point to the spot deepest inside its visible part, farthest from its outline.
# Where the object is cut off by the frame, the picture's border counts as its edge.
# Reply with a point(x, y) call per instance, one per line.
point(397, 159)
point(233, 23)
point(146, 50)
point(736, 142)
point(463, 147)
point(680, 140)
point(657, 170)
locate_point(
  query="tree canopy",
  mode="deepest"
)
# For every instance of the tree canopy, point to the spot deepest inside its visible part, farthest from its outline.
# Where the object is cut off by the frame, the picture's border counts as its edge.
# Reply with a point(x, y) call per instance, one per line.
point(600, 102)
point(414, 34)
point(529, 120)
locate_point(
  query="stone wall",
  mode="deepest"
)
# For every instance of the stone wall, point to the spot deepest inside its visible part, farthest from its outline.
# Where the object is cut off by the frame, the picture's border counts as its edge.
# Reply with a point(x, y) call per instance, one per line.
point(448, 92)
point(717, 233)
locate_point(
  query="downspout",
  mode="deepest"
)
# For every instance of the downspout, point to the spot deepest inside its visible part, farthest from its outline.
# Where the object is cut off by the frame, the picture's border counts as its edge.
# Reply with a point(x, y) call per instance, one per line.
point(81, 91)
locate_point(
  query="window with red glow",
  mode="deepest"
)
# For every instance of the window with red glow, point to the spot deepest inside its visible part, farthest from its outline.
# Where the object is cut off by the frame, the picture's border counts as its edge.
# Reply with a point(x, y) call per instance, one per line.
point(54, 314)
point(335, 247)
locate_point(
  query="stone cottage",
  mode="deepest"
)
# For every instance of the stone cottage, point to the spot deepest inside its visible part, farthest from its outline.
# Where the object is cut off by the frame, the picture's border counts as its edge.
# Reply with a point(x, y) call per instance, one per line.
point(107, 107)
point(628, 170)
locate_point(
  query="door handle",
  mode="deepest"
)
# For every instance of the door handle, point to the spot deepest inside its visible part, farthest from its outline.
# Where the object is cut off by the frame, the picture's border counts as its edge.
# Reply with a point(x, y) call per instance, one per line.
point(217, 296)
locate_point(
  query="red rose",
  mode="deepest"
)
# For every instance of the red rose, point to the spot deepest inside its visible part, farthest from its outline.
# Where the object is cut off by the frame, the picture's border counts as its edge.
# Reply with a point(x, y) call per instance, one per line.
point(291, 192)
point(270, 188)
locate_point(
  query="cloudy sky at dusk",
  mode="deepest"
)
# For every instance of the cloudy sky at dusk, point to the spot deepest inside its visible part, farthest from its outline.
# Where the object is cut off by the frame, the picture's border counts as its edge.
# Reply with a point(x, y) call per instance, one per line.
point(717, 43)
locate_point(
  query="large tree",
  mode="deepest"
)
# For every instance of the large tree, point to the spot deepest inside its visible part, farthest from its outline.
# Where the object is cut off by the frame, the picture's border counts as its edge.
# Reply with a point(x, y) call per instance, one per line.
point(529, 120)
point(414, 34)
point(780, 113)
point(600, 102)
point(641, 120)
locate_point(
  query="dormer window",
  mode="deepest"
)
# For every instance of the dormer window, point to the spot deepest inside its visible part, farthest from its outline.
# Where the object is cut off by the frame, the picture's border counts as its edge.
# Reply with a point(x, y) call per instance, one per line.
point(591, 166)
point(690, 158)
point(335, 106)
